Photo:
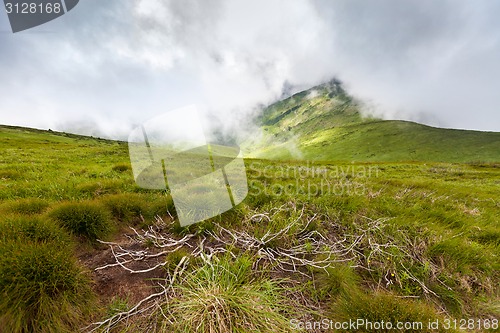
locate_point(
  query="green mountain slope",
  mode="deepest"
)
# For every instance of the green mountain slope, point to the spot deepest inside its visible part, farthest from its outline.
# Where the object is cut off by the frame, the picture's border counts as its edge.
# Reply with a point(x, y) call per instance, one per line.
point(324, 123)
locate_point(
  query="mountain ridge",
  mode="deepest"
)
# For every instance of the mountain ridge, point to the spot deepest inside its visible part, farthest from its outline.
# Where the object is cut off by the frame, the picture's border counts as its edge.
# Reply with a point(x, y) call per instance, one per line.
point(325, 123)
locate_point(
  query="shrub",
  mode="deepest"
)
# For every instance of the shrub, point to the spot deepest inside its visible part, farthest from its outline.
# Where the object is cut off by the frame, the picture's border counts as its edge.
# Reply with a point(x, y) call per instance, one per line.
point(42, 287)
point(27, 206)
point(87, 219)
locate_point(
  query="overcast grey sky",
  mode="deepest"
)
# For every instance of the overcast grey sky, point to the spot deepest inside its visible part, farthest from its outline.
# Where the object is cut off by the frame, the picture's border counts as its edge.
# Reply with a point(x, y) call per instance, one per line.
point(117, 63)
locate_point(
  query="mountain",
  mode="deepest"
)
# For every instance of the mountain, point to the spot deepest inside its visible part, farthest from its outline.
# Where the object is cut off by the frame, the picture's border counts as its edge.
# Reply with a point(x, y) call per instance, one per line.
point(325, 123)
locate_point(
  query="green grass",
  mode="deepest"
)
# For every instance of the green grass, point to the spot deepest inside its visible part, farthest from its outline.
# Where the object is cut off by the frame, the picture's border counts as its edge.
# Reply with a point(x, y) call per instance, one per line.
point(42, 287)
point(227, 297)
point(429, 249)
point(88, 219)
point(28, 206)
point(18, 228)
point(340, 280)
point(126, 207)
point(378, 307)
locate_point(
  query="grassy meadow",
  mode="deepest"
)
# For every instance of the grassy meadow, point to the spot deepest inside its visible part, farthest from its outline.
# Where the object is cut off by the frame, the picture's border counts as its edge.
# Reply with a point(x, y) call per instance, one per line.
point(413, 242)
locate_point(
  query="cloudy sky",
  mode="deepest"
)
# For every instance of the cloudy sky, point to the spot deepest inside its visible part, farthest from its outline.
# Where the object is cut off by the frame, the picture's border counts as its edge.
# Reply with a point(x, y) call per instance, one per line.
point(108, 65)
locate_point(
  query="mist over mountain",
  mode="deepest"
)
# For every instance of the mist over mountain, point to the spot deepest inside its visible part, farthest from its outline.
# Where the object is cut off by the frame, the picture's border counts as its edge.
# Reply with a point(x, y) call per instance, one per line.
point(326, 123)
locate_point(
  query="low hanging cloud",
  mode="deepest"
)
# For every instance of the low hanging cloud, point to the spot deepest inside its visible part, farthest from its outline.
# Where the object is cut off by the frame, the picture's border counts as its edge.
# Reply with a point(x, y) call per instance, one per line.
point(430, 61)
point(118, 63)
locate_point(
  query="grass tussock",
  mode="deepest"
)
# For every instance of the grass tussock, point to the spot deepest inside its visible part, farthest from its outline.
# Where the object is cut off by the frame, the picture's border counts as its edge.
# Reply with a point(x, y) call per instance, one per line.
point(125, 207)
point(336, 281)
point(121, 167)
point(464, 257)
point(377, 307)
point(87, 219)
point(42, 287)
point(94, 189)
point(226, 297)
point(19, 228)
point(28, 206)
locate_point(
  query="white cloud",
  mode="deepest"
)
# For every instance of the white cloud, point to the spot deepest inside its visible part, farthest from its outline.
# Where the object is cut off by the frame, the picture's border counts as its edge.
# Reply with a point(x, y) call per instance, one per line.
point(117, 63)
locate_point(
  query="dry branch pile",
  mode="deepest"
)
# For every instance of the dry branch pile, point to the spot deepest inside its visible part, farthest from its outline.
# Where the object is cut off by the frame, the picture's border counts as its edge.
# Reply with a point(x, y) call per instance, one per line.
point(296, 248)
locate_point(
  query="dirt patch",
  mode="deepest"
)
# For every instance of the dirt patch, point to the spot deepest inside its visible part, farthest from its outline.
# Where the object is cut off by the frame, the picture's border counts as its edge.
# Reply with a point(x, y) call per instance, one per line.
point(115, 281)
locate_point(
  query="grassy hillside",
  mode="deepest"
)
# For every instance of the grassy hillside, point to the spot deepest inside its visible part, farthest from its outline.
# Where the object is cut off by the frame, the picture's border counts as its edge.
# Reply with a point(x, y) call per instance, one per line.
point(399, 242)
point(324, 123)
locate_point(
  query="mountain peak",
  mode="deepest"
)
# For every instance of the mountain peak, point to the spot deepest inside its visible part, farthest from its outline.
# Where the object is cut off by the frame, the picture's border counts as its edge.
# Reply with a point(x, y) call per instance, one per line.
point(325, 123)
